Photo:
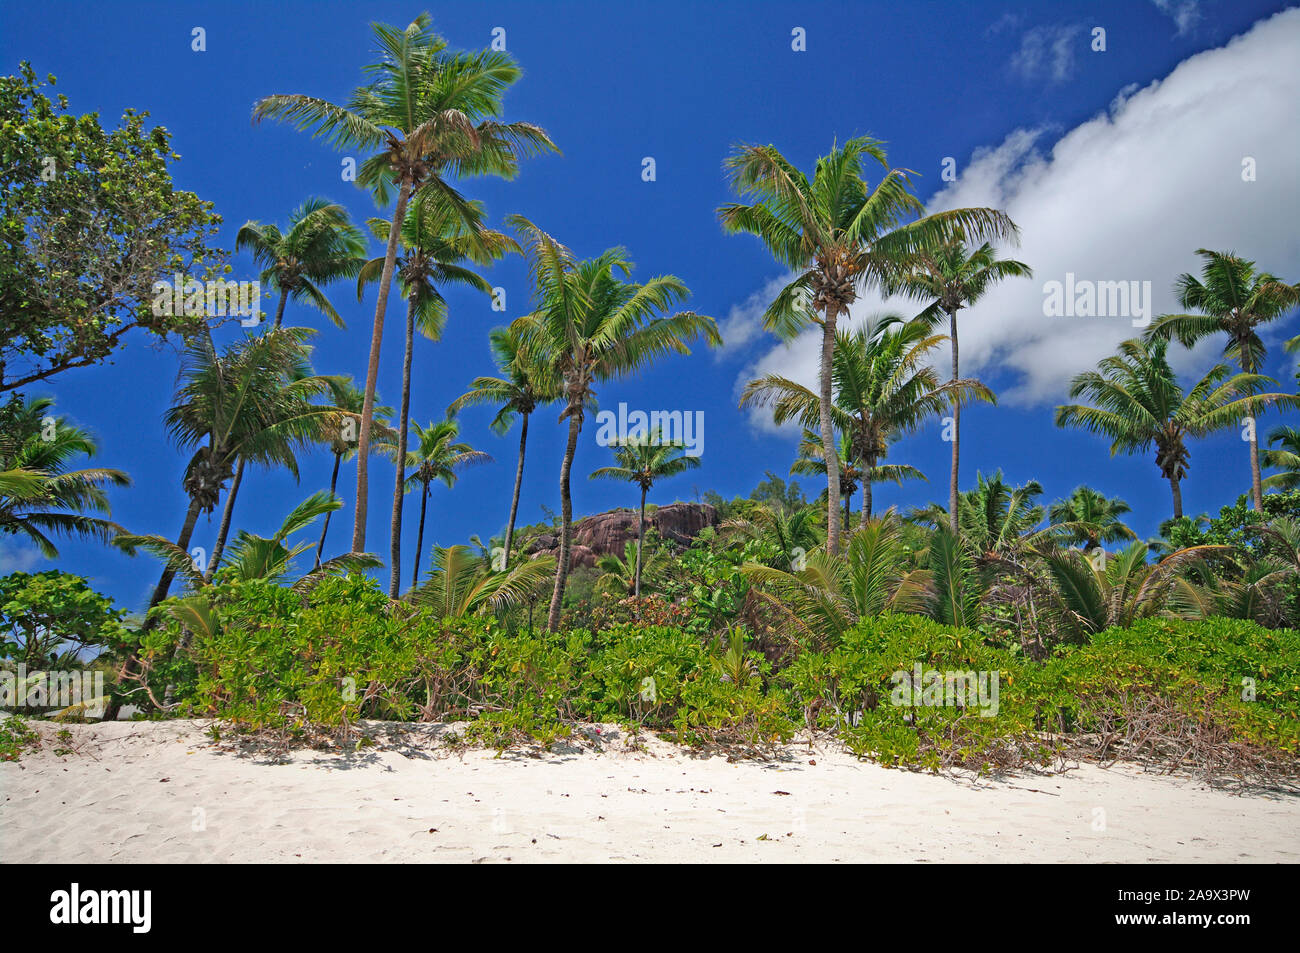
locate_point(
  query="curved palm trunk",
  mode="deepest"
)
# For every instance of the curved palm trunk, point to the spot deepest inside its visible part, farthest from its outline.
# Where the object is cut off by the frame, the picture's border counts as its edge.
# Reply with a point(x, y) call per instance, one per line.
point(224, 530)
point(372, 370)
point(279, 310)
point(640, 539)
point(399, 489)
point(828, 435)
point(514, 500)
point(566, 525)
point(334, 480)
point(419, 537)
point(956, 429)
point(1178, 496)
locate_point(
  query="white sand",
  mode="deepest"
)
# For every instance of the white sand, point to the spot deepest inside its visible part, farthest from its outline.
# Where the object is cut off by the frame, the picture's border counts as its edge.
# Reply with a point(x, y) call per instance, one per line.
point(161, 792)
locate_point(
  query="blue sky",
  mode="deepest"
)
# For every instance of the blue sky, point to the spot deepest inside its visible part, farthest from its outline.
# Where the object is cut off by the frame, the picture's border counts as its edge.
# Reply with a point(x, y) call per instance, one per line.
point(1012, 92)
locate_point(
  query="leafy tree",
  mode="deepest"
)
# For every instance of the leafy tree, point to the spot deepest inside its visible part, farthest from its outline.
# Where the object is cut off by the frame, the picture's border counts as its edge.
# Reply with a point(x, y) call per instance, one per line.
point(840, 236)
point(90, 221)
point(48, 618)
point(1285, 458)
point(432, 113)
point(459, 585)
point(1235, 300)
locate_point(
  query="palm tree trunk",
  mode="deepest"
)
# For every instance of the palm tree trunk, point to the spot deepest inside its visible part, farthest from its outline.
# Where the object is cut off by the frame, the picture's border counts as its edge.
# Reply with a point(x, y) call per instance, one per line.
point(566, 522)
point(519, 482)
point(868, 497)
point(848, 510)
point(1178, 496)
point(224, 528)
point(399, 489)
point(640, 539)
point(419, 537)
point(1256, 481)
point(828, 435)
point(334, 480)
point(956, 428)
point(279, 309)
point(372, 369)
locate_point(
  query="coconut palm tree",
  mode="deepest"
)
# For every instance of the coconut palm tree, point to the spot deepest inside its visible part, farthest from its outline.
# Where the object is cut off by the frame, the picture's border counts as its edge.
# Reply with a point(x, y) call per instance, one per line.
point(521, 388)
point(1286, 458)
point(591, 325)
point(994, 517)
point(786, 535)
point(955, 278)
point(39, 495)
point(645, 462)
point(460, 585)
point(435, 240)
point(321, 246)
point(339, 433)
point(431, 113)
point(619, 575)
point(437, 456)
point(1092, 518)
point(1139, 405)
point(1235, 300)
point(809, 461)
point(841, 236)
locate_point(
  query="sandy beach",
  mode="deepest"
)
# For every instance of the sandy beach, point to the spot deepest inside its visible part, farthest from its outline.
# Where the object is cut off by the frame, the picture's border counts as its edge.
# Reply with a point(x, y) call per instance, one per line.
point(164, 792)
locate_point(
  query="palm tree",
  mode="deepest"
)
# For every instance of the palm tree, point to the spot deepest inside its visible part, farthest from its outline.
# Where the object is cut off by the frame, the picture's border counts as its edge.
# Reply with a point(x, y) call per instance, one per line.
point(784, 535)
point(619, 576)
point(339, 433)
point(39, 495)
point(320, 246)
point(1235, 300)
point(437, 456)
point(645, 462)
point(590, 325)
point(460, 585)
point(840, 236)
point(955, 277)
point(809, 461)
point(431, 112)
point(995, 518)
point(1091, 518)
point(435, 240)
point(1286, 458)
point(522, 386)
point(1139, 404)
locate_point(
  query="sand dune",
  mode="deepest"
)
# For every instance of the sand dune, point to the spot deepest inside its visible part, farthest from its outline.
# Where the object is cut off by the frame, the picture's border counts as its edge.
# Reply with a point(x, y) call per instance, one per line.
point(163, 792)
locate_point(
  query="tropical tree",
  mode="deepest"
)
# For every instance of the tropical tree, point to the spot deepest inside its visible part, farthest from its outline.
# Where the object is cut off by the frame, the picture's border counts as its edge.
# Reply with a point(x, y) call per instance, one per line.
point(1091, 518)
point(955, 277)
point(1233, 299)
point(1139, 405)
point(809, 461)
point(435, 240)
point(437, 456)
point(521, 388)
point(39, 495)
point(321, 246)
point(787, 534)
point(432, 113)
point(840, 236)
point(995, 517)
point(1285, 458)
point(645, 462)
point(460, 585)
point(591, 325)
point(620, 575)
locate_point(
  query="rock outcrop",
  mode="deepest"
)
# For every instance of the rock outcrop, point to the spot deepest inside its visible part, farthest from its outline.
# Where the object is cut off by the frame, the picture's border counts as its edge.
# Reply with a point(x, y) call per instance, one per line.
point(605, 533)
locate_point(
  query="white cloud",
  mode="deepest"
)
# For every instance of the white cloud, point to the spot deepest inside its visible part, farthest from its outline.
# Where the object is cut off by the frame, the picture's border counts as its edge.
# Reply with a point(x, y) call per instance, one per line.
point(1185, 13)
point(1128, 195)
point(1047, 51)
point(18, 558)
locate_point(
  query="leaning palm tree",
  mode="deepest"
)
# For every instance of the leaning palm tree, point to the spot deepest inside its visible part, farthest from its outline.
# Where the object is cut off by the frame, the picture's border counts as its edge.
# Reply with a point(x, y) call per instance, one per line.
point(1235, 300)
point(39, 495)
point(1285, 458)
point(435, 240)
point(955, 278)
point(1139, 405)
point(645, 462)
point(591, 325)
point(521, 388)
point(841, 236)
point(437, 456)
point(1091, 518)
point(321, 246)
point(432, 113)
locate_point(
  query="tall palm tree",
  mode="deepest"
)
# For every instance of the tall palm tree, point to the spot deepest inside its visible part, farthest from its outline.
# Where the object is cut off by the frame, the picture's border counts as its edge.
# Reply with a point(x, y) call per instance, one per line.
point(645, 462)
point(432, 113)
point(521, 388)
point(437, 456)
point(339, 433)
point(1285, 458)
point(1235, 300)
point(1139, 404)
point(841, 236)
point(1092, 518)
point(39, 495)
point(435, 240)
point(591, 325)
point(956, 278)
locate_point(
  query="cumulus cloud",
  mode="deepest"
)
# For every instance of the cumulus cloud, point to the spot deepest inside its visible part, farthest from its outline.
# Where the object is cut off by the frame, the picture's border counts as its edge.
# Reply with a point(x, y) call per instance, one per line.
point(1185, 13)
point(18, 558)
point(1126, 196)
point(1047, 52)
